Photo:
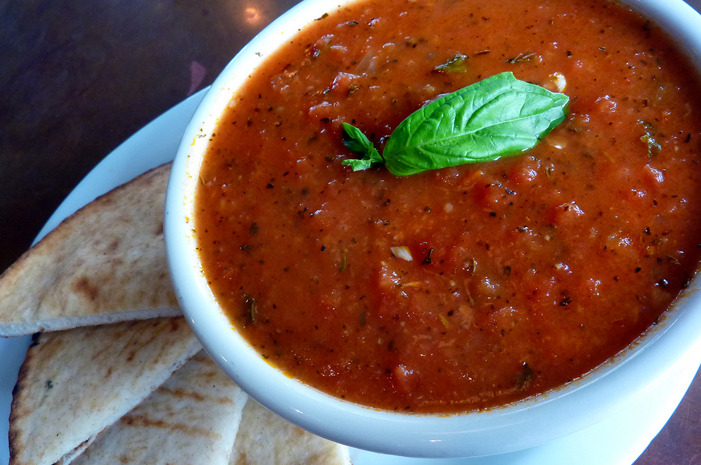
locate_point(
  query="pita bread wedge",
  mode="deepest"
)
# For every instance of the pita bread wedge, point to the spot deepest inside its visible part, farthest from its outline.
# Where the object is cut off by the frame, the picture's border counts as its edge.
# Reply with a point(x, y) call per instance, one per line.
point(105, 263)
point(265, 438)
point(192, 418)
point(75, 383)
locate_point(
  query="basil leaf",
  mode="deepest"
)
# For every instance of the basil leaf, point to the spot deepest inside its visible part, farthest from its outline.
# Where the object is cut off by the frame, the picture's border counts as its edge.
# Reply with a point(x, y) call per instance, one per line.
point(357, 142)
point(499, 116)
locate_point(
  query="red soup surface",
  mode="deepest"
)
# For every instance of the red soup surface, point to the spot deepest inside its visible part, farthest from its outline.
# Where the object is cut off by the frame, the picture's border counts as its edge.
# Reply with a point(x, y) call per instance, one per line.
point(461, 288)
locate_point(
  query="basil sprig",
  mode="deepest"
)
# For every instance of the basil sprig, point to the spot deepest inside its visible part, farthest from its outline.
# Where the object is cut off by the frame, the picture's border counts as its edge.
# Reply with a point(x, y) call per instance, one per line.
point(497, 117)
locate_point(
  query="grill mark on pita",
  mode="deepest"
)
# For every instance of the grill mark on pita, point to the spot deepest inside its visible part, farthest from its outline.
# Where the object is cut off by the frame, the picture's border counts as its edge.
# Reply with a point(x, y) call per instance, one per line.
point(131, 337)
point(82, 286)
point(143, 421)
point(183, 393)
point(243, 459)
point(175, 325)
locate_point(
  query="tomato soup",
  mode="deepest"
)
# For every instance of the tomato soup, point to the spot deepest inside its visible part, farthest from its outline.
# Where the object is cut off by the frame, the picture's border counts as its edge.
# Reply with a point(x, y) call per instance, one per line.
point(468, 287)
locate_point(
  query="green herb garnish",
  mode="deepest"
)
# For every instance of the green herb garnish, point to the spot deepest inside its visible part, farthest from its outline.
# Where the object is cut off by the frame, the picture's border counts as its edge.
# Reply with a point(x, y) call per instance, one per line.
point(499, 116)
point(252, 309)
point(649, 139)
point(521, 58)
point(457, 64)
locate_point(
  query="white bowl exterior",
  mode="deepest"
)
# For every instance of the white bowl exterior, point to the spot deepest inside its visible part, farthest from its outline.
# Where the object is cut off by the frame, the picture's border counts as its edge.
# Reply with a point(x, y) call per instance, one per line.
point(518, 426)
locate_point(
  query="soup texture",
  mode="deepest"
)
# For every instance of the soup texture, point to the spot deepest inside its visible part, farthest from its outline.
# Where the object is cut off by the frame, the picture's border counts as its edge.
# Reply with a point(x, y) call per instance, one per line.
point(468, 287)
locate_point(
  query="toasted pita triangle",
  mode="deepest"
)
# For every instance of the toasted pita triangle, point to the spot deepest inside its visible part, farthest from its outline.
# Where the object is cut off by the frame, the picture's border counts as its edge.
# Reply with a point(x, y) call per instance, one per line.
point(265, 438)
point(105, 263)
point(75, 383)
point(192, 418)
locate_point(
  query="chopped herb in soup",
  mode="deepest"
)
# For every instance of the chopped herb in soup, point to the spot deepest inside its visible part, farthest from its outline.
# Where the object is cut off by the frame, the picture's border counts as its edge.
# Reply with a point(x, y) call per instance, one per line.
point(462, 287)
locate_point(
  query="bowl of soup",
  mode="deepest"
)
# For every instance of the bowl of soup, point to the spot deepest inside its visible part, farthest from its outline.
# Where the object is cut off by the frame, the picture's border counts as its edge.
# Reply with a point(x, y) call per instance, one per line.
point(472, 308)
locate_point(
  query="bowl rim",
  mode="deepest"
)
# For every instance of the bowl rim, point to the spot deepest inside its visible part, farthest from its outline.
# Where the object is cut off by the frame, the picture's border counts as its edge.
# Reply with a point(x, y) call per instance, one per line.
point(603, 390)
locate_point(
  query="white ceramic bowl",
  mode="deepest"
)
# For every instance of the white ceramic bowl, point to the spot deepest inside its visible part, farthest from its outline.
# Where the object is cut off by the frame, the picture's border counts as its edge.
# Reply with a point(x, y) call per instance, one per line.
point(524, 424)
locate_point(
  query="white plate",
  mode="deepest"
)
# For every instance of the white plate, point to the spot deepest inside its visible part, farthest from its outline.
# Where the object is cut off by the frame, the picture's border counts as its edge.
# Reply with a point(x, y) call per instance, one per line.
point(618, 440)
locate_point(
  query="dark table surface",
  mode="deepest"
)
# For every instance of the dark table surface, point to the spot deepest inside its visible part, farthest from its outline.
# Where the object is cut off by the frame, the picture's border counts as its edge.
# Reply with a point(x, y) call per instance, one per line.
point(79, 77)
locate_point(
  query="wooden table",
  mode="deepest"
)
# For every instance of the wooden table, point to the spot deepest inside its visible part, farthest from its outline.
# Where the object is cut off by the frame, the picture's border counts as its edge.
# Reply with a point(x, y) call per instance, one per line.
point(79, 77)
